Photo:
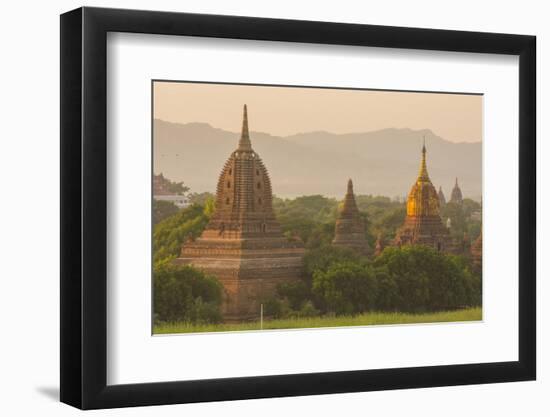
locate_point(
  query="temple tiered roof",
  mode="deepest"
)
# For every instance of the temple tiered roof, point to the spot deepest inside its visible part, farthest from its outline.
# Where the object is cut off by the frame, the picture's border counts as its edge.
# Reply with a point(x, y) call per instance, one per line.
point(350, 228)
point(243, 196)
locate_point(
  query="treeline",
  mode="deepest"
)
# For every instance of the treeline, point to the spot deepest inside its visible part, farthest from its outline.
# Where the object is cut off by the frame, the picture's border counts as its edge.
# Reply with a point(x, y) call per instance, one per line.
point(335, 280)
point(411, 279)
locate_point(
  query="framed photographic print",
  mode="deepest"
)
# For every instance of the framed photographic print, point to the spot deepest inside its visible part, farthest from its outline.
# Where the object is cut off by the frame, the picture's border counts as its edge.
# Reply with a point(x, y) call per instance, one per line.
point(258, 207)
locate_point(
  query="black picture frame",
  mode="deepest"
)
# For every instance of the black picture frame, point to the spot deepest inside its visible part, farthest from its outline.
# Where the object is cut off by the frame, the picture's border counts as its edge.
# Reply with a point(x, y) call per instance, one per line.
point(84, 207)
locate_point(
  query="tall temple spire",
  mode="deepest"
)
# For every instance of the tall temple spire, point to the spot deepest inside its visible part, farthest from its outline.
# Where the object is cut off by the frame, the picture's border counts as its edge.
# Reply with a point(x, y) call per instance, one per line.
point(244, 141)
point(350, 206)
point(423, 172)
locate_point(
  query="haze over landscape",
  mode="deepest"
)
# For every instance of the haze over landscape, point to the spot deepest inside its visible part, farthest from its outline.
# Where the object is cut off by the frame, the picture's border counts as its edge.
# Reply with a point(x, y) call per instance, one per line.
point(285, 111)
point(380, 162)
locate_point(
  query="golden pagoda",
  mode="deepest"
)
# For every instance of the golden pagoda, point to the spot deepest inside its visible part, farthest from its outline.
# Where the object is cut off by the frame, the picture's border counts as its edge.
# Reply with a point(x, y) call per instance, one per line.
point(350, 229)
point(423, 225)
point(243, 245)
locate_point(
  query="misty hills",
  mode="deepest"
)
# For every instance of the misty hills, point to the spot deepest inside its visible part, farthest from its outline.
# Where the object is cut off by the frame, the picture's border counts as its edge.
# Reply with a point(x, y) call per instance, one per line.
point(383, 162)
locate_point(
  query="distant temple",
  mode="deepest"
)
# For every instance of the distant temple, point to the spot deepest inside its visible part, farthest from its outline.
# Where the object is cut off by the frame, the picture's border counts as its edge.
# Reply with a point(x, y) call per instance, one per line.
point(476, 252)
point(441, 196)
point(456, 194)
point(350, 228)
point(423, 223)
point(243, 245)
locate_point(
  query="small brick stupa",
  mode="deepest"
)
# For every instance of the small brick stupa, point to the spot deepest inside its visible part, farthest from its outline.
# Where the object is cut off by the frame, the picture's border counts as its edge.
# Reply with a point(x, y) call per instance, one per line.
point(423, 225)
point(350, 228)
point(243, 245)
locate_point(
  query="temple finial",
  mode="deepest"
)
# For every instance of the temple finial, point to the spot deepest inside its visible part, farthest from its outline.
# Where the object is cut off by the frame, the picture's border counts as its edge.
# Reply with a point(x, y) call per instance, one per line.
point(423, 172)
point(350, 186)
point(244, 141)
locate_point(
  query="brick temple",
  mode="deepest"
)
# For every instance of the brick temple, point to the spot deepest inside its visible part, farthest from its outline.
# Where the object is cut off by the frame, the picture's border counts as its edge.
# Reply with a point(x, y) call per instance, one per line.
point(243, 245)
point(456, 194)
point(350, 229)
point(423, 225)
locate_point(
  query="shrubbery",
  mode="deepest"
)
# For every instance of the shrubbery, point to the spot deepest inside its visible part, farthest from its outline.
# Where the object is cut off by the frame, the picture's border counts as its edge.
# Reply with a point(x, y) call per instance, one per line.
point(346, 287)
point(411, 279)
point(183, 293)
point(163, 209)
point(425, 279)
point(171, 233)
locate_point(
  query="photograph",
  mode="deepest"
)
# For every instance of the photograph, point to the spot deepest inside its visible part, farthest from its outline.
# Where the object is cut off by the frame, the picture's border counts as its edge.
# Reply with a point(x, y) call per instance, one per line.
point(292, 207)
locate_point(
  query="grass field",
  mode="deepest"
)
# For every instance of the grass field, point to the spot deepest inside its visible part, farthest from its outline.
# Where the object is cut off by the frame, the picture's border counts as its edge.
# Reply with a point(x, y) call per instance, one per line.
point(368, 319)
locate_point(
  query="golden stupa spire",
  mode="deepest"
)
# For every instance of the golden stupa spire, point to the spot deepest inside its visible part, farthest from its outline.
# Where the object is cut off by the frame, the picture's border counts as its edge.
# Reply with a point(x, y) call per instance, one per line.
point(244, 141)
point(423, 172)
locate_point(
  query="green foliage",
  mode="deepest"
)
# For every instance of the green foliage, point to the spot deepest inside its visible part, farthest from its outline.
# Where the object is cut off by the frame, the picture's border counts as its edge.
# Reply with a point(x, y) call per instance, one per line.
point(469, 206)
point(346, 287)
point(426, 279)
point(295, 292)
point(310, 218)
point(322, 258)
point(389, 221)
point(274, 308)
point(163, 209)
point(458, 218)
point(200, 198)
point(183, 293)
point(209, 207)
point(177, 188)
point(388, 291)
point(173, 187)
point(171, 233)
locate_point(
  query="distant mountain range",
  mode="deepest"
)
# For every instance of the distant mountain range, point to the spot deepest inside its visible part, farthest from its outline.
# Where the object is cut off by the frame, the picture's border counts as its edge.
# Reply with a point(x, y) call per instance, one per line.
point(383, 162)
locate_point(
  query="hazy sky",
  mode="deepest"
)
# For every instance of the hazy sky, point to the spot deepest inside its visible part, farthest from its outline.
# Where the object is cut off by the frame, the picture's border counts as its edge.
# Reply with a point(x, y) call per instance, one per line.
point(284, 111)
